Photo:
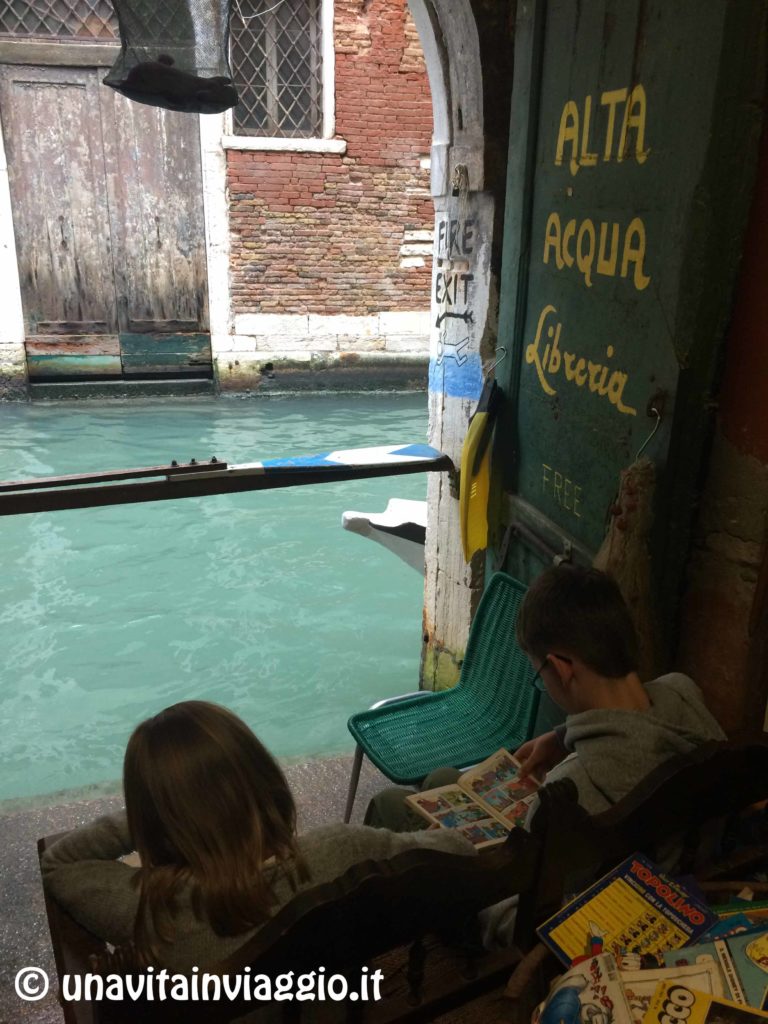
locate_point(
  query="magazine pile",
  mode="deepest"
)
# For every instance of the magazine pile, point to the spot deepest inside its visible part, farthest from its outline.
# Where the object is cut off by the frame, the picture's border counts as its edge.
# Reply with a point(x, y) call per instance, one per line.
point(643, 949)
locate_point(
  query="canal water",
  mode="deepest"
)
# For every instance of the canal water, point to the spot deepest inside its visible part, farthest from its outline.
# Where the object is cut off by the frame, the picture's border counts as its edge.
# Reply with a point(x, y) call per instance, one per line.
point(259, 601)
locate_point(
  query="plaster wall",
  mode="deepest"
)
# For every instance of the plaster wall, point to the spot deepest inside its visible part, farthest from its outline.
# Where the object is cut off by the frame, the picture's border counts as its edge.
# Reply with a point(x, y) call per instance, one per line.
point(724, 634)
point(13, 366)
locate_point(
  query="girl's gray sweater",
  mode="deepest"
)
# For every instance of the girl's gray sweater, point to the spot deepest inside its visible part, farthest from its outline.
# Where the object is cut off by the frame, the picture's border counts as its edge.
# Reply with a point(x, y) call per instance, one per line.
point(83, 874)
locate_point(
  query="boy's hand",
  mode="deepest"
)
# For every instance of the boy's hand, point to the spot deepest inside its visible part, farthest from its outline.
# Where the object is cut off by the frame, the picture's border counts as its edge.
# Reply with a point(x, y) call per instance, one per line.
point(538, 755)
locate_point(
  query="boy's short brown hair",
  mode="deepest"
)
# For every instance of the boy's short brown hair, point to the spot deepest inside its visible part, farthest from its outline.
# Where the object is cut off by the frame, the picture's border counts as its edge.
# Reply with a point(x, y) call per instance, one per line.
point(570, 610)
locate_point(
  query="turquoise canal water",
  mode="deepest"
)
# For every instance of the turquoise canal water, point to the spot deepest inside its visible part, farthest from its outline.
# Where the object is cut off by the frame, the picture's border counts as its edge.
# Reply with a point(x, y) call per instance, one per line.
point(258, 601)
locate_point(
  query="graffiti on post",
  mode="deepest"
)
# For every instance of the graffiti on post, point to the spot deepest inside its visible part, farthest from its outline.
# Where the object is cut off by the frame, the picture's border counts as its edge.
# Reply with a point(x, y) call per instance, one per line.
point(455, 369)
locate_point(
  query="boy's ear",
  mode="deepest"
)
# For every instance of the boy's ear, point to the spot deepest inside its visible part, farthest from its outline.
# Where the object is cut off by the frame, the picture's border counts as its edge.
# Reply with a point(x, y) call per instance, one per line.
point(563, 667)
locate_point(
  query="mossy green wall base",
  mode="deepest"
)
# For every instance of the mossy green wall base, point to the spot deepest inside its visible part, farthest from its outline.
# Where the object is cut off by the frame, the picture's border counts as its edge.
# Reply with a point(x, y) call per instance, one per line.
point(440, 669)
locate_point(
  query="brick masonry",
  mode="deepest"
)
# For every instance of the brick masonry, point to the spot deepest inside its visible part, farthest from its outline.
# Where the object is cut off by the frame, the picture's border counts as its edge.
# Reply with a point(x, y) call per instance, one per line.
point(331, 254)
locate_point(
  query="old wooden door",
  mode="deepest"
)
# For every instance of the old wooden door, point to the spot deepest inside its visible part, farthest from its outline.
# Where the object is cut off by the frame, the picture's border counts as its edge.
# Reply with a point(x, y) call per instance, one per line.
point(108, 216)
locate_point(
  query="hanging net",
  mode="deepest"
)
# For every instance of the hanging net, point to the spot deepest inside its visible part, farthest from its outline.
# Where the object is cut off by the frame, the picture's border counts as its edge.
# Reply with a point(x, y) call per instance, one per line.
point(174, 54)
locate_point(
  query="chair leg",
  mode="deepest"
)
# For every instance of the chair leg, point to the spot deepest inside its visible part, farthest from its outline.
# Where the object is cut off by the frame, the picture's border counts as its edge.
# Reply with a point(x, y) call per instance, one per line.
point(353, 781)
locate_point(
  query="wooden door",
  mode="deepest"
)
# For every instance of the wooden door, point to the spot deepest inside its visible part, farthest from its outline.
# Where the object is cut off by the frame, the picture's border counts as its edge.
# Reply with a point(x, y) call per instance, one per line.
point(633, 146)
point(154, 184)
point(53, 140)
point(107, 206)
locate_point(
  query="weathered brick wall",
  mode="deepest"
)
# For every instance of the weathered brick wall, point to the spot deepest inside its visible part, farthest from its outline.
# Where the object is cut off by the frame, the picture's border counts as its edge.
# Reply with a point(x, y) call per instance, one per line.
point(326, 234)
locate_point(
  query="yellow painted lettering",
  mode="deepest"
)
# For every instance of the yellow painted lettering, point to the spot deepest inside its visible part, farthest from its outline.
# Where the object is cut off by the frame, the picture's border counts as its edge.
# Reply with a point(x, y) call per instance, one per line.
point(557, 487)
point(552, 239)
point(611, 99)
point(634, 252)
point(570, 371)
point(585, 257)
point(555, 359)
point(616, 393)
point(607, 264)
point(580, 376)
point(568, 232)
point(634, 119)
point(602, 388)
point(594, 369)
point(568, 133)
point(567, 485)
point(532, 351)
point(587, 159)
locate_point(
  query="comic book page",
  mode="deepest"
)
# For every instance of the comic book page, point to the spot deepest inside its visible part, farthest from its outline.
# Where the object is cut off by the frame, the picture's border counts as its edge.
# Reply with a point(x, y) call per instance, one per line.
point(674, 1003)
point(496, 784)
point(756, 911)
point(632, 909)
point(640, 986)
point(483, 804)
point(590, 992)
point(452, 807)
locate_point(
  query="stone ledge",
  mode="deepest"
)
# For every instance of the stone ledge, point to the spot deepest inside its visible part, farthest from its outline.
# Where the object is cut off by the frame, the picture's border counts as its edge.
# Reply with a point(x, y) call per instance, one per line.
point(322, 371)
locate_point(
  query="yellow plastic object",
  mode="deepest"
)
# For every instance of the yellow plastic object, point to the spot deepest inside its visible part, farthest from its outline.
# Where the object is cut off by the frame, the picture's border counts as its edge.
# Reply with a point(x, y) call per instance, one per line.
point(475, 480)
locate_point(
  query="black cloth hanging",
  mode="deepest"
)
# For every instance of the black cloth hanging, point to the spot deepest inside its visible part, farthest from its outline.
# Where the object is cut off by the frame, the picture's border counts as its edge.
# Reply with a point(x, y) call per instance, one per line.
point(174, 54)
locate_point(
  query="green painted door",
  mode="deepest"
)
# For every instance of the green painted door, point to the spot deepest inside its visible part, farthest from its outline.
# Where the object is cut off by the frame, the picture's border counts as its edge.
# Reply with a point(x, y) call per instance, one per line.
point(633, 144)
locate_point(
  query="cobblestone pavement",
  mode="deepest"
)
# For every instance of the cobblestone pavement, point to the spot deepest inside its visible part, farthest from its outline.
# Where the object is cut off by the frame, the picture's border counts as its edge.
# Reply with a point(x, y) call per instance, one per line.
point(320, 789)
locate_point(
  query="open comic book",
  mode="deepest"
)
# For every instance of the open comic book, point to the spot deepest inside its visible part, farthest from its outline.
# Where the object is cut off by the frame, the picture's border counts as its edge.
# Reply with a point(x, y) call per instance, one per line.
point(675, 1003)
point(484, 804)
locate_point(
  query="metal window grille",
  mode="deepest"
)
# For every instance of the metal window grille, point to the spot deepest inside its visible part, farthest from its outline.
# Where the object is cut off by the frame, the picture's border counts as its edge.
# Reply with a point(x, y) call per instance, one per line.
point(276, 63)
point(58, 19)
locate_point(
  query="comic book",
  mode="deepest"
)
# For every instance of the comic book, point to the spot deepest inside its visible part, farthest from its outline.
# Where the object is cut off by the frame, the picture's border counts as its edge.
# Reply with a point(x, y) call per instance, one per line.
point(634, 908)
point(640, 985)
point(756, 911)
point(674, 1003)
point(484, 804)
point(743, 960)
point(591, 992)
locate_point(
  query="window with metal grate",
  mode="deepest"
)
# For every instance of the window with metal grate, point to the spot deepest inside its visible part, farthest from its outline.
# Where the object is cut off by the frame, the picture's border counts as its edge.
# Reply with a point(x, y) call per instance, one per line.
point(277, 66)
point(80, 20)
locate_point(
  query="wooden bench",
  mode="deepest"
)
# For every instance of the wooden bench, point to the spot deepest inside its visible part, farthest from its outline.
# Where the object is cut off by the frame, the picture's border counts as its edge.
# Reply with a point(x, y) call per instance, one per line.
point(373, 908)
point(376, 908)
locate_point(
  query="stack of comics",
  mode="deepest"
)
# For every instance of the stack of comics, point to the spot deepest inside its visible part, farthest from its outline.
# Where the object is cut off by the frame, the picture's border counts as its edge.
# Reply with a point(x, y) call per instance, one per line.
point(644, 949)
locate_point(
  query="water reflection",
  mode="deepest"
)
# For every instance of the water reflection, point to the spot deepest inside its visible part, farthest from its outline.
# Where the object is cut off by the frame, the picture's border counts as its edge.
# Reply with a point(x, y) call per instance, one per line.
point(260, 601)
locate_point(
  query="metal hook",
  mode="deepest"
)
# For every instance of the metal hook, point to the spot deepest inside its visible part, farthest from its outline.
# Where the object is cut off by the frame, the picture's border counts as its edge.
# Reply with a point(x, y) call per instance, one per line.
point(497, 360)
point(648, 439)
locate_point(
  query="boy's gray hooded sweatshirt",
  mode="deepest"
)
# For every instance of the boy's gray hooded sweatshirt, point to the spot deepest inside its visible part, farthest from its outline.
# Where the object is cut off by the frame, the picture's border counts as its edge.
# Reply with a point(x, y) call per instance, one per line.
point(611, 751)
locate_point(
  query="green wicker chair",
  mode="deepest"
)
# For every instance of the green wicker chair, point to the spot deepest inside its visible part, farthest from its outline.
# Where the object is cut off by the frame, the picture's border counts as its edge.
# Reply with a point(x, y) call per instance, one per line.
point(493, 705)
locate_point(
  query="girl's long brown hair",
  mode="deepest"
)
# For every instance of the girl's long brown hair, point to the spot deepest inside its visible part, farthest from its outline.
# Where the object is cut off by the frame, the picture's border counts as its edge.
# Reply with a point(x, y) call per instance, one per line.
point(207, 806)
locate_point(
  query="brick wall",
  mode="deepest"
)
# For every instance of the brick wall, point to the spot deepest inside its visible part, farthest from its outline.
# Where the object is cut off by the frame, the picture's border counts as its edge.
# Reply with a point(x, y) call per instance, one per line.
point(322, 234)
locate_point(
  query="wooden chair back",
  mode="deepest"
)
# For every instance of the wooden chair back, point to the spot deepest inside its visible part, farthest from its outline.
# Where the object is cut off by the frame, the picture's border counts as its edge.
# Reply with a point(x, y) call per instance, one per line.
point(341, 925)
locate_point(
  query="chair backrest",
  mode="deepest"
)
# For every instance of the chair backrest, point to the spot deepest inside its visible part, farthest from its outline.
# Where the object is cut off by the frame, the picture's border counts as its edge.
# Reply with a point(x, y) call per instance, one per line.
point(495, 671)
point(73, 947)
point(341, 925)
point(674, 811)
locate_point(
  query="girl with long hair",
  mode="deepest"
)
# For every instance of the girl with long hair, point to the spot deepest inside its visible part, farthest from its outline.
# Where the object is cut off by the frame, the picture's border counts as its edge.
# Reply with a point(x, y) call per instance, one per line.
point(210, 814)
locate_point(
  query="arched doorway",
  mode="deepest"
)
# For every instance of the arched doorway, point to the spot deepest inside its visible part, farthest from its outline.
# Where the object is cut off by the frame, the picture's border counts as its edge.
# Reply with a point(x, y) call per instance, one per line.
point(468, 189)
